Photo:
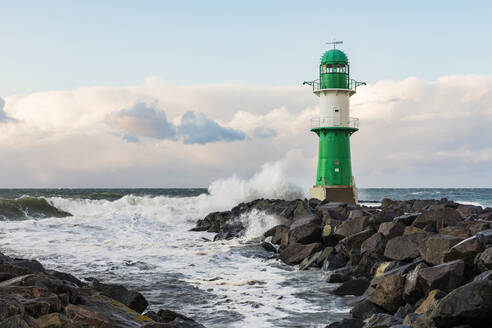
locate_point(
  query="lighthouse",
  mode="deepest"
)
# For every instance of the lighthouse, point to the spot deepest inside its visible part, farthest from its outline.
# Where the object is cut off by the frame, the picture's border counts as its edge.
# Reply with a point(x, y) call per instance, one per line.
point(334, 126)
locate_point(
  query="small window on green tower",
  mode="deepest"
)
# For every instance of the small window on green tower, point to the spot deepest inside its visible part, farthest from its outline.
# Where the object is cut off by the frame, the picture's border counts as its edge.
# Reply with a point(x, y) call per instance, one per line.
point(323, 69)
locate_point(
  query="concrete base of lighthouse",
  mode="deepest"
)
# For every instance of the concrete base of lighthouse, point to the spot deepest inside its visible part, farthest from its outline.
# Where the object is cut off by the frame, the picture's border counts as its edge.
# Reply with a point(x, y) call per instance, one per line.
point(342, 194)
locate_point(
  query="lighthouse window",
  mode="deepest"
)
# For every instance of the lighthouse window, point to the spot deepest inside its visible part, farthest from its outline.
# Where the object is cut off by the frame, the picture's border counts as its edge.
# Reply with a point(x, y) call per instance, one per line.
point(337, 169)
point(323, 69)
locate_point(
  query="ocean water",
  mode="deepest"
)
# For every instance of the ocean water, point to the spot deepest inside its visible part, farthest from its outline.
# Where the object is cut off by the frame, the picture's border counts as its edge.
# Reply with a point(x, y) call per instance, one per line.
point(140, 238)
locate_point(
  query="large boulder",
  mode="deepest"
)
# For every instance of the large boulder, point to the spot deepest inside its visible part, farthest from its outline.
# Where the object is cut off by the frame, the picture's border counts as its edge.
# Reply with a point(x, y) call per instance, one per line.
point(470, 304)
point(446, 276)
point(355, 287)
point(412, 291)
point(354, 241)
point(305, 234)
point(134, 300)
point(391, 229)
point(296, 253)
point(352, 226)
point(484, 260)
point(364, 309)
point(435, 247)
point(485, 236)
point(339, 275)
point(406, 219)
point(431, 301)
point(276, 233)
point(374, 244)
point(438, 219)
point(465, 250)
point(347, 323)
point(404, 248)
point(466, 210)
point(388, 291)
point(456, 231)
point(383, 320)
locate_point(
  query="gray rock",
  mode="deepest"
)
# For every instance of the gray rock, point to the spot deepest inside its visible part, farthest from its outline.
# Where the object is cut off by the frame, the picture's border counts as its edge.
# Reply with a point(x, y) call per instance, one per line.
point(404, 248)
point(469, 304)
point(382, 320)
point(364, 309)
point(446, 276)
point(296, 253)
point(355, 287)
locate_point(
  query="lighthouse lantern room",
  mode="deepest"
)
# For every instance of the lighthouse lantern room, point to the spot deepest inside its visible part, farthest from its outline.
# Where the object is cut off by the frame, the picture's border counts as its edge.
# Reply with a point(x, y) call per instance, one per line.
point(334, 126)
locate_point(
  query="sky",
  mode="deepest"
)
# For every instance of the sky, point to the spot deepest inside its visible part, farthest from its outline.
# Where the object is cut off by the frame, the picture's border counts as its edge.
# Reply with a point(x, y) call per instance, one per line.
point(180, 94)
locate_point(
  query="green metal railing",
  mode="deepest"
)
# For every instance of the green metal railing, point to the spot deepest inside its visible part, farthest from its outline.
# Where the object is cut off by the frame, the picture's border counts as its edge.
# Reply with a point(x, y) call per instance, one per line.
point(316, 84)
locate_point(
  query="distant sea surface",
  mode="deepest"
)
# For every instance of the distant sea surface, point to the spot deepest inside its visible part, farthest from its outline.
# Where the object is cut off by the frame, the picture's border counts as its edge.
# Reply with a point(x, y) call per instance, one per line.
point(140, 238)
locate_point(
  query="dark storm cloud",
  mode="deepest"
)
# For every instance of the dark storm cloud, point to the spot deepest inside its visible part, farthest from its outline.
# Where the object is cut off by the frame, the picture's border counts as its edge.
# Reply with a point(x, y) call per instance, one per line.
point(142, 120)
point(198, 129)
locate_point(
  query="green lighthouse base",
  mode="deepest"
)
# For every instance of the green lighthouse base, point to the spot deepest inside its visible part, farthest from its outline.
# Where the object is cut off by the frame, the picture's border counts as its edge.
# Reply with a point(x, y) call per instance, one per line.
point(342, 194)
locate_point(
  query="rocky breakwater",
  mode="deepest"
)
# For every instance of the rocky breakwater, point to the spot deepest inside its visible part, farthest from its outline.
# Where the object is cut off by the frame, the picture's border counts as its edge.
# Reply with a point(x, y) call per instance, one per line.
point(34, 297)
point(415, 263)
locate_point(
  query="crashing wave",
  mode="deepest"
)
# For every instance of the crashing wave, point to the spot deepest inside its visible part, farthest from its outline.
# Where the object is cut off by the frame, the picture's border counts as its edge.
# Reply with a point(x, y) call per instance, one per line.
point(26, 207)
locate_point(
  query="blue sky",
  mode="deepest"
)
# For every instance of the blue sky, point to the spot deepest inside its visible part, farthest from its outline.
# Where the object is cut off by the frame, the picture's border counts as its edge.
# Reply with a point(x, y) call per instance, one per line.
point(49, 45)
point(185, 93)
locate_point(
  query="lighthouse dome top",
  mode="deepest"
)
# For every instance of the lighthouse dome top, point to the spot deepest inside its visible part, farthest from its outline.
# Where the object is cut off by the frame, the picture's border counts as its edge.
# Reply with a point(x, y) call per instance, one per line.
point(334, 56)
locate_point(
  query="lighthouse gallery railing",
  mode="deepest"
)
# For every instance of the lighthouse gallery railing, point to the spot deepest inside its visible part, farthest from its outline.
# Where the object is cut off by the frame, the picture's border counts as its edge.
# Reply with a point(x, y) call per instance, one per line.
point(316, 84)
point(319, 122)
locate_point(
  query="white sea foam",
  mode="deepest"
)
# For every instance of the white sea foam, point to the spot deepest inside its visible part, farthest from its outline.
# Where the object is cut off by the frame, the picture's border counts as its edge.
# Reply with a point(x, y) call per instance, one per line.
point(141, 240)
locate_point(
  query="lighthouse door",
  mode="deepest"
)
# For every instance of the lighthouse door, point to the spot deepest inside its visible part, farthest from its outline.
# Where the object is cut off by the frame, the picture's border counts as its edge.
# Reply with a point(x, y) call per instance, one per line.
point(337, 116)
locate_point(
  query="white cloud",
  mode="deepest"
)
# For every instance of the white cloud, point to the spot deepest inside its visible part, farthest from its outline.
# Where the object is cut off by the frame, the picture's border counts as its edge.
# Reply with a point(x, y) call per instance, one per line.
point(412, 133)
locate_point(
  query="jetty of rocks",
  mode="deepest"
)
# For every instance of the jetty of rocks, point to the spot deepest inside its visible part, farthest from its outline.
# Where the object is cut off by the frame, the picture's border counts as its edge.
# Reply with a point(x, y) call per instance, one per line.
point(413, 263)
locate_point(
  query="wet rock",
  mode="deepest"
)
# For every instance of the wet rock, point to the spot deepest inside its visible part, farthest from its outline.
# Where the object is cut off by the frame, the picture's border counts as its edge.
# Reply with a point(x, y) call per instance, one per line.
point(484, 260)
point(347, 323)
point(456, 231)
point(430, 301)
point(339, 275)
point(310, 261)
point(134, 300)
point(354, 241)
point(435, 247)
point(19, 321)
point(469, 304)
point(388, 291)
point(374, 244)
point(368, 265)
point(465, 250)
point(355, 287)
point(446, 276)
point(276, 233)
point(404, 248)
point(406, 219)
point(485, 236)
point(404, 310)
point(327, 251)
point(412, 291)
point(466, 210)
point(311, 219)
point(438, 218)
point(364, 309)
point(352, 226)
point(391, 229)
point(305, 234)
point(382, 320)
point(268, 247)
point(479, 226)
point(295, 253)
point(334, 261)
point(100, 311)
point(328, 235)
